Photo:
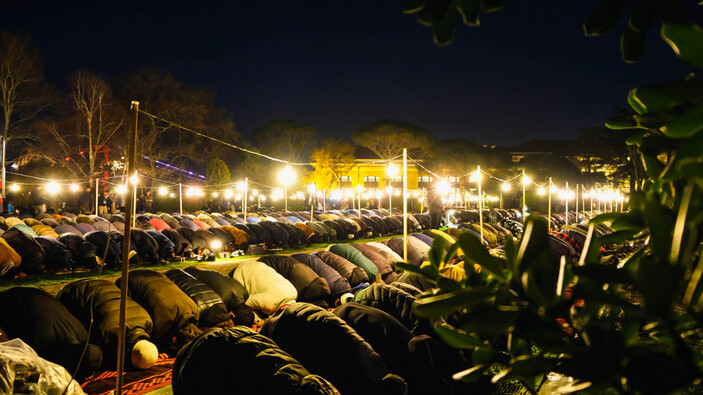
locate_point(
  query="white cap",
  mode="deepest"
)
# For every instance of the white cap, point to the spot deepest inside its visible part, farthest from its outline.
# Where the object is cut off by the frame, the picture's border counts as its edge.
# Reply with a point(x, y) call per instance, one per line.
point(144, 354)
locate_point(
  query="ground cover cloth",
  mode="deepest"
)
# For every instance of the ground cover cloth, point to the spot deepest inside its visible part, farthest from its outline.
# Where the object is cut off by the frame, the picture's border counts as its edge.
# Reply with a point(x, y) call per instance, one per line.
point(135, 382)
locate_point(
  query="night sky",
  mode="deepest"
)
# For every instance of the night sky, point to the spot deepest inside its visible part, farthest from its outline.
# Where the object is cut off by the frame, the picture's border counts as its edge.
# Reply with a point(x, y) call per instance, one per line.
point(527, 72)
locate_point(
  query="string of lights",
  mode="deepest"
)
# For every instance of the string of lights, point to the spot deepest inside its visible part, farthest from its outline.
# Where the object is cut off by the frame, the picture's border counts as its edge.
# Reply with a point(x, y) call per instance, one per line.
point(223, 142)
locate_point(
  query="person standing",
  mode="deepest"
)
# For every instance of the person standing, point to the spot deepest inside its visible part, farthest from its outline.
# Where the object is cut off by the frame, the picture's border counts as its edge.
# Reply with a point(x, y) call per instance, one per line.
point(37, 201)
point(148, 201)
point(104, 203)
point(436, 206)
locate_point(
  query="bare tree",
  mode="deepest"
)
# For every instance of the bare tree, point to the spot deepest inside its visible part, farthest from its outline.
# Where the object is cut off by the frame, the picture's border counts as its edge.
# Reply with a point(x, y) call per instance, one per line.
point(21, 77)
point(92, 98)
point(285, 139)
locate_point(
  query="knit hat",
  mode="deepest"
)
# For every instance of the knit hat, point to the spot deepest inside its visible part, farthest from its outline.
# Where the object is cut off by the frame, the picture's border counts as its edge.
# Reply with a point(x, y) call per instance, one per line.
point(144, 354)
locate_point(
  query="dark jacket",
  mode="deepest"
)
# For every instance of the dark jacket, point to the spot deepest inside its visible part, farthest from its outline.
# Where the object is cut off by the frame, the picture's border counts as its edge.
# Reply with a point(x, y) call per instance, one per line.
point(181, 245)
point(311, 287)
point(108, 249)
point(412, 357)
point(103, 297)
point(212, 309)
point(147, 248)
point(242, 361)
point(338, 284)
point(233, 294)
point(331, 348)
point(228, 243)
point(354, 274)
point(58, 256)
point(397, 303)
point(84, 252)
point(279, 235)
point(166, 246)
point(42, 322)
point(169, 307)
point(31, 252)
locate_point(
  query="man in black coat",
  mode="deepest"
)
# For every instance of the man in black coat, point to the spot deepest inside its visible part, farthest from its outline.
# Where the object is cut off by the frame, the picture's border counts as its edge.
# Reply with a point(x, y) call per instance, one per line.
point(435, 205)
point(42, 322)
point(96, 302)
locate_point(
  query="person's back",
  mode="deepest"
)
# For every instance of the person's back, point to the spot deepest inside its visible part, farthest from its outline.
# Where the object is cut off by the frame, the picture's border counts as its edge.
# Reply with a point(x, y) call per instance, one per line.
point(435, 206)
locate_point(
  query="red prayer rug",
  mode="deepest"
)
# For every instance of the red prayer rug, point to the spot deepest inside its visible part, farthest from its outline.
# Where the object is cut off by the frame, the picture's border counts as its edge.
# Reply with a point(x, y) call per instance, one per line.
point(135, 382)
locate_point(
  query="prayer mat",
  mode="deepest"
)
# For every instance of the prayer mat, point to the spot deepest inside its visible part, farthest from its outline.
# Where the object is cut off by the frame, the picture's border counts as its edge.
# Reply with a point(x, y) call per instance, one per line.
point(136, 382)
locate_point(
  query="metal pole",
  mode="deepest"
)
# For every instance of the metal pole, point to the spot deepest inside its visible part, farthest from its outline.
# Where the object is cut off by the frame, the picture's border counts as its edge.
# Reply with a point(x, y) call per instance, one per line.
point(549, 206)
point(480, 201)
point(583, 200)
point(97, 183)
point(4, 138)
point(359, 202)
point(405, 204)
point(285, 199)
point(390, 201)
point(246, 196)
point(576, 196)
point(524, 203)
point(566, 204)
point(134, 200)
point(131, 168)
point(180, 197)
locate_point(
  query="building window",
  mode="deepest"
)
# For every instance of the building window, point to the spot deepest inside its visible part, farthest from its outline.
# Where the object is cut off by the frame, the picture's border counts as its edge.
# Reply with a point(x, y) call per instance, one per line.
point(424, 181)
point(371, 182)
point(346, 181)
point(453, 180)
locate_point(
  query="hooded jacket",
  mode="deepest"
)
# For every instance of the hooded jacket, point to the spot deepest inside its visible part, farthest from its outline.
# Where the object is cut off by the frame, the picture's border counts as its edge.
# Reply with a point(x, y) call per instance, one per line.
point(233, 294)
point(354, 274)
point(268, 291)
point(108, 249)
point(310, 287)
point(397, 303)
point(382, 260)
point(31, 252)
point(415, 257)
point(241, 238)
point(58, 256)
point(166, 246)
point(331, 348)
point(244, 361)
point(84, 252)
point(42, 322)
point(212, 309)
point(356, 257)
point(338, 284)
point(181, 245)
point(169, 307)
point(103, 297)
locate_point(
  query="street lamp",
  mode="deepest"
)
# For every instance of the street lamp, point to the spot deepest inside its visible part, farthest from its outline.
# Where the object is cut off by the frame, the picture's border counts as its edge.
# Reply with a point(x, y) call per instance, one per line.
point(286, 177)
point(359, 189)
point(389, 191)
point(312, 188)
point(525, 181)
